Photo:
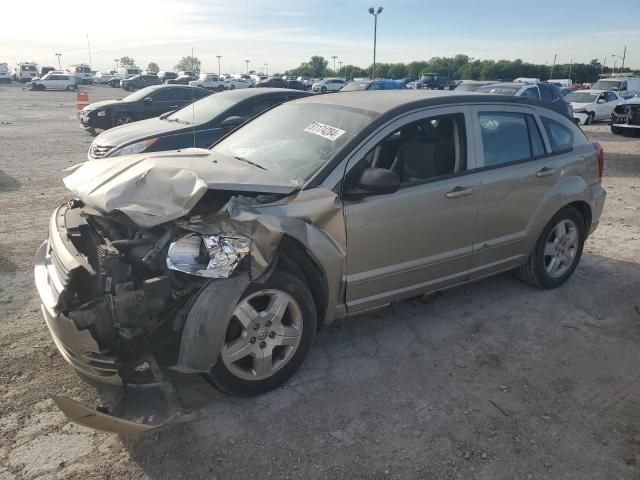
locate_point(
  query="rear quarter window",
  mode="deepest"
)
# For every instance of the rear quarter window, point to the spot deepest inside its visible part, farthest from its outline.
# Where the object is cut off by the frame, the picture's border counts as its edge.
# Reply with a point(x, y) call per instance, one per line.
point(560, 136)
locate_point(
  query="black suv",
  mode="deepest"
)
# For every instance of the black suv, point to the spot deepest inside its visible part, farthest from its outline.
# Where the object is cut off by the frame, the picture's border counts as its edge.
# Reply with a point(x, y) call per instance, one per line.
point(140, 81)
point(146, 103)
point(273, 82)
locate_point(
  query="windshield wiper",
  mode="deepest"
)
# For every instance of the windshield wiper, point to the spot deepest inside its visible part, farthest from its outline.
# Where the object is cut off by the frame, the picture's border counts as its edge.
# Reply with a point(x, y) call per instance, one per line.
point(250, 162)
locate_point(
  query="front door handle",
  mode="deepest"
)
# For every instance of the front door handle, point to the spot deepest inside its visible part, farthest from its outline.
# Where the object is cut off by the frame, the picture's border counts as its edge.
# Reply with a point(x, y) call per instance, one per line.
point(546, 172)
point(173, 106)
point(459, 192)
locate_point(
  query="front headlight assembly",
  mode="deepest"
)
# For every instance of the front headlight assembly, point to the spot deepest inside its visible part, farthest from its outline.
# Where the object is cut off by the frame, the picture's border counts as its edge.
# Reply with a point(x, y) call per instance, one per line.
point(137, 147)
point(210, 256)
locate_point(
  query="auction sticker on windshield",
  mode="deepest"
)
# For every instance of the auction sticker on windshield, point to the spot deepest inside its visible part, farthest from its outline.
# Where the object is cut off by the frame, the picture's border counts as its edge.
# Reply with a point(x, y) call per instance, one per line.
point(325, 131)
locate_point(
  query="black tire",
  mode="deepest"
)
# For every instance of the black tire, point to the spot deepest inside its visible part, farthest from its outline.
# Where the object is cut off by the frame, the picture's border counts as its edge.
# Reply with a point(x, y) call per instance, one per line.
point(323, 89)
point(590, 119)
point(617, 130)
point(220, 88)
point(122, 119)
point(70, 88)
point(534, 272)
point(232, 87)
point(224, 380)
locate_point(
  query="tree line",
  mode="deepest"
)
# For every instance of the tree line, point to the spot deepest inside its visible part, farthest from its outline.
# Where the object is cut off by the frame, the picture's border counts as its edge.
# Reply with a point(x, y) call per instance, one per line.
point(459, 67)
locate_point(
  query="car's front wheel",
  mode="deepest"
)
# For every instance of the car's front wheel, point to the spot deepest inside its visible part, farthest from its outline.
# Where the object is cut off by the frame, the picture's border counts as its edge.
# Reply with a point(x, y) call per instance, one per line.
point(557, 251)
point(122, 119)
point(269, 336)
point(617, 130)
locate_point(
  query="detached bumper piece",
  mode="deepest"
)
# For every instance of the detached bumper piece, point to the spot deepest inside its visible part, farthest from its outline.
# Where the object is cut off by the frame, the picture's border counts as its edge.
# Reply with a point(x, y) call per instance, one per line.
point(142, 407)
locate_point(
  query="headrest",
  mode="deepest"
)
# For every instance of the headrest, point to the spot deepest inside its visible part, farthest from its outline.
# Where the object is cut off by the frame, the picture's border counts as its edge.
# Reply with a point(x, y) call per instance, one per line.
point(418, 159)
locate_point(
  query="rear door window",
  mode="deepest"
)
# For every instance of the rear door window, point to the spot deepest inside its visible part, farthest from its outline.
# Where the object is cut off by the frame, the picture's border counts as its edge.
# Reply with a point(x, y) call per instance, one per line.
point(509, 137)
point(560, 136)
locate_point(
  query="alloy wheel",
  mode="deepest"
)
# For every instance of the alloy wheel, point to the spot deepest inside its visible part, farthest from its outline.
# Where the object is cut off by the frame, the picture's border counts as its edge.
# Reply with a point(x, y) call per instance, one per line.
point(264, 334)
point(561, 248)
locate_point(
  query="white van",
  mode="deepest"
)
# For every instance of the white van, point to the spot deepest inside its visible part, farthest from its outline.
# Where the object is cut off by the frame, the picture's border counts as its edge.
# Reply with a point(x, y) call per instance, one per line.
point(25, 72)
point(55, 81)
point(625, 87)
point(82, 71)
point(5, 73)
point(128, 71)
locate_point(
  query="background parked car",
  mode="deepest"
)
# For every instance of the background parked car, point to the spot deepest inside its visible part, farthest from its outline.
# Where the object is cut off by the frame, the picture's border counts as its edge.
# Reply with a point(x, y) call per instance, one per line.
point(541, 90)
point(472, 85)
point(272, 82)
point(103, 77)
point(233, 83)
point(373, 85)
point(139, 81)
point(183, 79)
point(82, 71)
point(626, 116)
point(146, 103)
point(329, 85)
point(295, 85)
point(5, 73)
point(592, 105)
point(165, 75)
point(210, 81)
point(55, 81)
point(197, 125)
point(306, 81)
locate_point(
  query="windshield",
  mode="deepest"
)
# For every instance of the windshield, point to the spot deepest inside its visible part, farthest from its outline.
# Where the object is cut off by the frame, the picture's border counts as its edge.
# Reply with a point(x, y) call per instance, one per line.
point(353, 86)
point(140, 94)
point(582, 97)
point(203, 110)
point(498, 90)
point(606, 85)
point(295, 139)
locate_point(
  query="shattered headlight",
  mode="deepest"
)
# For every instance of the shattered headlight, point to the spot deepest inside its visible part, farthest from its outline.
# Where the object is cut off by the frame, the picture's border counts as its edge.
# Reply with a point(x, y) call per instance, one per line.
point(211, 256)
point(137, 147)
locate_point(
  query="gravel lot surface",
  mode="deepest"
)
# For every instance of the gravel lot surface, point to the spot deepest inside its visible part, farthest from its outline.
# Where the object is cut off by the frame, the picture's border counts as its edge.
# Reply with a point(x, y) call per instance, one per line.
point(494, 380)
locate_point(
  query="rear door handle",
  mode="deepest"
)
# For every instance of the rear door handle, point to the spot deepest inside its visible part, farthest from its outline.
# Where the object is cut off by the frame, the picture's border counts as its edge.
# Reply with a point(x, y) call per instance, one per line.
point(173, 106)
point(546, 172)
point(459, 192)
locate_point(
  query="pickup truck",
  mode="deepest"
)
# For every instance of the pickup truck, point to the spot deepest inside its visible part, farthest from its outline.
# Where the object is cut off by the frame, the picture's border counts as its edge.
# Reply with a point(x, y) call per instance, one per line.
point(209, 81)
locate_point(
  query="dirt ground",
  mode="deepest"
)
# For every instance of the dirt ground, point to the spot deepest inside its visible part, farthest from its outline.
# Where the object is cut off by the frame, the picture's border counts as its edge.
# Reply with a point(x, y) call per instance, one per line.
point(494, 380)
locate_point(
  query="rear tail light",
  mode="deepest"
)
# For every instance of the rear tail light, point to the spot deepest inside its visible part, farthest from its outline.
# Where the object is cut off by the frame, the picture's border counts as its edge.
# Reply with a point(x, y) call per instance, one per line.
point(600, 155)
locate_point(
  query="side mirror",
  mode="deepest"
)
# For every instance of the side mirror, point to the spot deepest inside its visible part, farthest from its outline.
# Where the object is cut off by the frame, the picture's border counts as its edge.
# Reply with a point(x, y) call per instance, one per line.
point(601, 100)
point(377, 181)
point(147, 100)
point(233, 122)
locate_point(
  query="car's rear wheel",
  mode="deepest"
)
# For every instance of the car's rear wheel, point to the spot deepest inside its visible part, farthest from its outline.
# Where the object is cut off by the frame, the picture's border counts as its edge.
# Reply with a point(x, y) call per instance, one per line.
point(122, 119)
point(269, 336)
point(323, 89)
point(617, 130)
point(220, 88)
point(69, 88)
point(557, 251)
point(232, 87)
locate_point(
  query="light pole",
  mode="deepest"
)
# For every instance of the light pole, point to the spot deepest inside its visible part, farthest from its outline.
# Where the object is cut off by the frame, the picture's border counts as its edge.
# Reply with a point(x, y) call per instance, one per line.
point(117, 60)
point(59, 62)
point(247, 62)
point(553, 67)
point(266, 69)
point(340, 67)
point(334, 62)
point(375, 14)
point(219, 57)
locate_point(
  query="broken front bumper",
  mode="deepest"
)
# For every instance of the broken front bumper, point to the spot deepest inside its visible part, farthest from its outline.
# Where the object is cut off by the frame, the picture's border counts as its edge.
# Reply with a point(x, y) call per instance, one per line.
point(142, 406)
point(581, 118)
point(55, 262)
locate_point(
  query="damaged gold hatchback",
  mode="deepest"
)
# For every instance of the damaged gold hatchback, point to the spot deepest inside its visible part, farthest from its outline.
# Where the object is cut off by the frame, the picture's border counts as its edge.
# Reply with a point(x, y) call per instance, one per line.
point(226, 262)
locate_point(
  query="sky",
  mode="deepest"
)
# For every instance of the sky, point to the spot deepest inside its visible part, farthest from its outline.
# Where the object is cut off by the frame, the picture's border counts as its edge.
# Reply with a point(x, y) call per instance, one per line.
point(285, 33)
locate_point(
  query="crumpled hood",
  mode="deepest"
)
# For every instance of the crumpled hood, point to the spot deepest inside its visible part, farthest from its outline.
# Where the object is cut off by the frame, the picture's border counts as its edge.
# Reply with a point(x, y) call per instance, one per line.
point(632, 101)
point(152, 189)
